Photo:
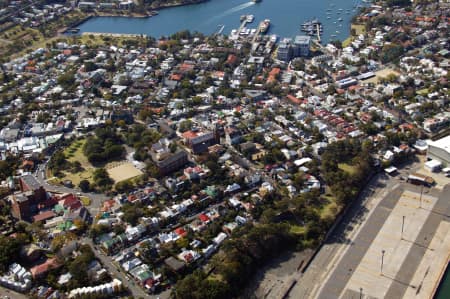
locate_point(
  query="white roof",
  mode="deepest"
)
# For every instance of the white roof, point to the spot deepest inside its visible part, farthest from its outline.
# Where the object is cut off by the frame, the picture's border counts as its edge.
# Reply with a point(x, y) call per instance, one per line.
point(302, 161)
point(433, 164)
point(390, 169)
point(443, 143)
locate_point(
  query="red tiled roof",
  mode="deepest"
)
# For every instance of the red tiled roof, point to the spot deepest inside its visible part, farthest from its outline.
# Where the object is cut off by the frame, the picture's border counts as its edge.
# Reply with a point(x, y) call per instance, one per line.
point(108, 204)
point(275, 71)
point(132, 197)
point(181, 232)
point(231, 59)
point(43, 216)
point(176, 77)
point(218, 74)
point(189, 135)
point(203, 218)
point(293, 99)
point(71, 202)
point(41, 269)
point(28, 163)
point(149, 283)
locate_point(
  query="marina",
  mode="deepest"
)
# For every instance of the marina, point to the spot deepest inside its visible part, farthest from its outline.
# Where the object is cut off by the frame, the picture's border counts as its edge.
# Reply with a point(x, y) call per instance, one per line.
point(312, 28)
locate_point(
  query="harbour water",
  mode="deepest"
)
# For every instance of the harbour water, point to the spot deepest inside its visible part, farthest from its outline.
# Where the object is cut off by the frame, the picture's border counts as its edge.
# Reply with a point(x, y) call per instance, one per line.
point(443, 292)
point(286, 17)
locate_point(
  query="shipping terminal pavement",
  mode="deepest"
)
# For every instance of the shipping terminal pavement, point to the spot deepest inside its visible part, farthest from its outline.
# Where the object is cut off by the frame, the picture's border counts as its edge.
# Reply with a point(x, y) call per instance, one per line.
point(399, 249)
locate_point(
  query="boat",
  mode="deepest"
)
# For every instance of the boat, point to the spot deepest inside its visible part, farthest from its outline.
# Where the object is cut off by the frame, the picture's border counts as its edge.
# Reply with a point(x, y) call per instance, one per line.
point(273, 38)
point(250, 18)
point(242, 18)
point(337, 32)
point(311, 27)
point(328, 17)
point(256, 1)
point(340, 20)
point(73, 30)
point(264, 26)
point(333, 35)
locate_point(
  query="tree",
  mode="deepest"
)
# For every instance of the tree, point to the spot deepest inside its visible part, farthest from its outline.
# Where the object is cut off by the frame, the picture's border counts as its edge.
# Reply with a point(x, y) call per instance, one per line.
point(185, 125)
point(132, 213)
point(98, 230)
point(104, 147)
point(124, 186)
point(67, 79)
point(8, 167)
point(80, 225)
point(9, 252)
point(102, 179)
point(89, 66)
point(58, 162)
point(84, 185)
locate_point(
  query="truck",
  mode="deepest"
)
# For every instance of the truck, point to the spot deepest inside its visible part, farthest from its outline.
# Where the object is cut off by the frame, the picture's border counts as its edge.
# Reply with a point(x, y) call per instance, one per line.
point(420, 179)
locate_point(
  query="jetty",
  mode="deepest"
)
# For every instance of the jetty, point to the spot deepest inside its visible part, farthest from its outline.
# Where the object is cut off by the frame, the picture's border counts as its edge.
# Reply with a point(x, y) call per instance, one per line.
point(318, 32)
point(220, 30)
point(244, 22)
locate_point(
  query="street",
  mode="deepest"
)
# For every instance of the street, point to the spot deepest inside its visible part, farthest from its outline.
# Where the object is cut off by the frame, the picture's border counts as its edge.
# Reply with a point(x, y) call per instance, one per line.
point(96, 198)
point(109, 264)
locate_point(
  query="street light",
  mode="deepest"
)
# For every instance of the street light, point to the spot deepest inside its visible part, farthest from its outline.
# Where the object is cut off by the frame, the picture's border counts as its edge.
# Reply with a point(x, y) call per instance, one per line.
point(382, 260)
point(421, 192)
point(403, 225)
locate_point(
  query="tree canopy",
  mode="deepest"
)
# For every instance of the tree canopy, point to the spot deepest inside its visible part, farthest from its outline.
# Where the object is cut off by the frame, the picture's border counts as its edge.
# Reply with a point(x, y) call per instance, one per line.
point(106, 146)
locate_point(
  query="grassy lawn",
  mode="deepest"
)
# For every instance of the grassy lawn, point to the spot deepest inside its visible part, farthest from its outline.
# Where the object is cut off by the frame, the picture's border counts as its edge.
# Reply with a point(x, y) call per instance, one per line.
point(423, 92)
point(86, 201)
point(101, 40)
point(216, 277)
point(330, 210)
point(359, 29)
point(348, 168)
point(75, 178)
point(297, 229)
point(347, 41)
point(75, 153)
point(19, 40)
point(384, 73)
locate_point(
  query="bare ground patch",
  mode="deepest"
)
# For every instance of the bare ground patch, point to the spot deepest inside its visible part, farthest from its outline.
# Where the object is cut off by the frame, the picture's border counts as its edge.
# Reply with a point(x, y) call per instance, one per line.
point(121, 171)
